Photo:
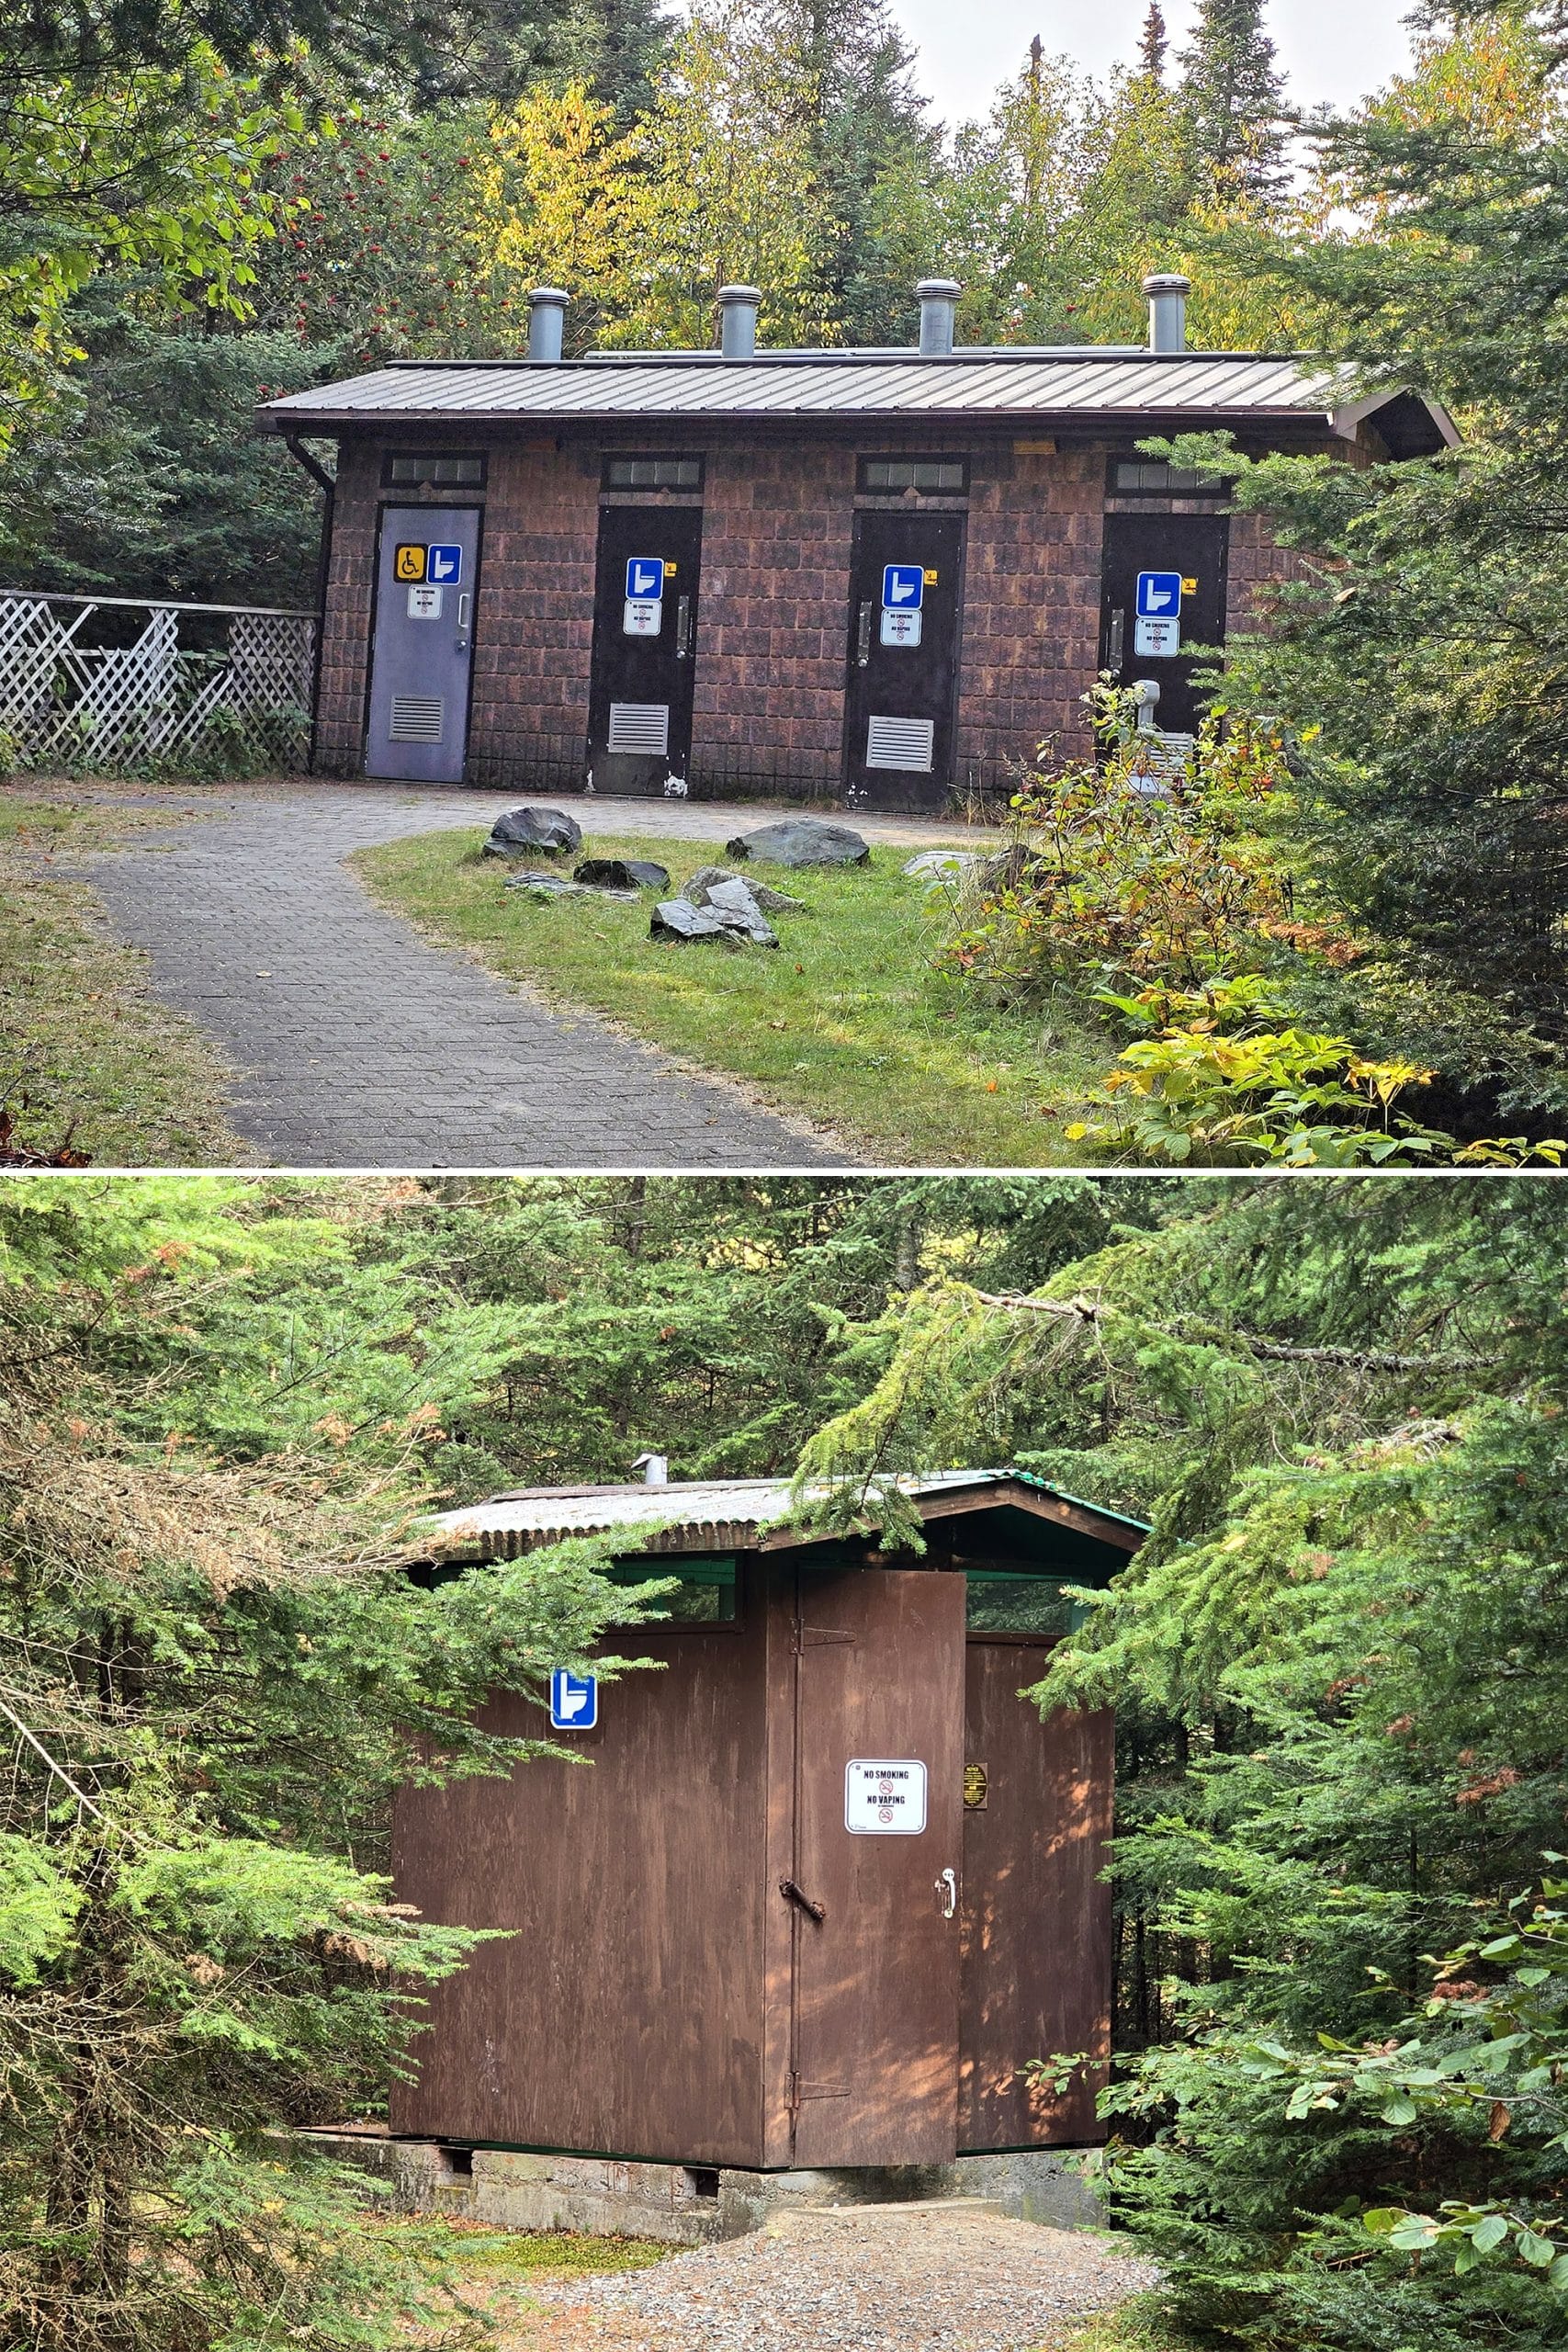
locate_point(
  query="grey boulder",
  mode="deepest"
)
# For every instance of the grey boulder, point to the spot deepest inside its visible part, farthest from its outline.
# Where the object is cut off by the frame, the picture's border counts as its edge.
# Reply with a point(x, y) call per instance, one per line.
point(519, 831)
point(556, 885)
point(802, 841)
point(700, 887)
point(621, 874)
point(943, 865)
point(731, 925)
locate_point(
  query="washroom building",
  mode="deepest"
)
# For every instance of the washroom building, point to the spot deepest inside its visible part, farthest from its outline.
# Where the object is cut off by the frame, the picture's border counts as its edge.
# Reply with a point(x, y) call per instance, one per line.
point(872, 577)
point(830, 1882)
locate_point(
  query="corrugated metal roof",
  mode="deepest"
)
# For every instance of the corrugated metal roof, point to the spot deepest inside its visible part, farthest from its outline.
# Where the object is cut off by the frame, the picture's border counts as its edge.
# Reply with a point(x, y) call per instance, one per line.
point(682, 385)
point(719, 1512)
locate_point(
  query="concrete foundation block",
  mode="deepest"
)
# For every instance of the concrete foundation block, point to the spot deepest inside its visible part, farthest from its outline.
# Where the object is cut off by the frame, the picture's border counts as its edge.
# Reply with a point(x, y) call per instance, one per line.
point(691, 2204)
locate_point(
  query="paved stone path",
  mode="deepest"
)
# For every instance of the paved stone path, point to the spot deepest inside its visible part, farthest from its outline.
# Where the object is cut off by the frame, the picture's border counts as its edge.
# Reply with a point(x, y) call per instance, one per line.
point(873, 2280)
point(358, 1044)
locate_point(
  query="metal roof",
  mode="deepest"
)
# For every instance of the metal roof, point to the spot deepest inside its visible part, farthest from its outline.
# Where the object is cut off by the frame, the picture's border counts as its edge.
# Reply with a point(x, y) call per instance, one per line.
point(790, 386)
point(720, 1513)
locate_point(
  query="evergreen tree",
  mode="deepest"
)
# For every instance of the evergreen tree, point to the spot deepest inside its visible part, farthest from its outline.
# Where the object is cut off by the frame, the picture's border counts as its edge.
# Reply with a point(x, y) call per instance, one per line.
point(867, 119)
point(1153, 45)
point(1233, 101)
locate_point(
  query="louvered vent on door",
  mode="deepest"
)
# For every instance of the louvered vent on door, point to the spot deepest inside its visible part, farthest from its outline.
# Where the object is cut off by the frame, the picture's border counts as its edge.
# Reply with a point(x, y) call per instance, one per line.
point(901, 743)
point(639, 727)
point(416, 718)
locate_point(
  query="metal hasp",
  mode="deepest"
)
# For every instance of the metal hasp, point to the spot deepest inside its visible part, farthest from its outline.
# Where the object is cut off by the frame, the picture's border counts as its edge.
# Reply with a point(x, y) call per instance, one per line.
point(765, 1929)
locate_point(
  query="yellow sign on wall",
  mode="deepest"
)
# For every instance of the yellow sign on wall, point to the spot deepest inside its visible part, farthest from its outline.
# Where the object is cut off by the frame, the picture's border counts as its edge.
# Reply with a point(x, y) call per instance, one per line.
point(408, 563)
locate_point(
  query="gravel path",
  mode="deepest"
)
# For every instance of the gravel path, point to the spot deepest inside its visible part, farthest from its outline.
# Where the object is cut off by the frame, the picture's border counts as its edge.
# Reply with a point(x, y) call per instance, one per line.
point(358, 1044)
point(939, 2279)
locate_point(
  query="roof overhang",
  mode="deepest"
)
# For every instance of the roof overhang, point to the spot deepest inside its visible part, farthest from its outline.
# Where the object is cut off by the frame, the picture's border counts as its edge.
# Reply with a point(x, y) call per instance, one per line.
point(1373, 407)
point(753, 1516)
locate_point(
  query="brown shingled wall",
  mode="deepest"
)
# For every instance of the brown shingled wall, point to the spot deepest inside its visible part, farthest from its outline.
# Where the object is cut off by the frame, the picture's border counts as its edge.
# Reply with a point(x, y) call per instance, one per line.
point(772, 632)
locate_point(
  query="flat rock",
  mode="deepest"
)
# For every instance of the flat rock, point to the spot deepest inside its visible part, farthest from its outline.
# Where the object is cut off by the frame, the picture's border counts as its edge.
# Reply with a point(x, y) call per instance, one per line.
point(556, 885)
point(621, 874)
point(679, 919)
point(802, 841)
point(948, 865)
point(699, 888)
point(521, 830)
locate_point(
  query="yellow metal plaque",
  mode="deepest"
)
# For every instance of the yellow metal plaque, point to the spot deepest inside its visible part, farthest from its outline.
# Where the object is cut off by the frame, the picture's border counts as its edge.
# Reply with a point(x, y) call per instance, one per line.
point(931, 579)
point(1190, 587)
point(977, 1786)
point(408, 563)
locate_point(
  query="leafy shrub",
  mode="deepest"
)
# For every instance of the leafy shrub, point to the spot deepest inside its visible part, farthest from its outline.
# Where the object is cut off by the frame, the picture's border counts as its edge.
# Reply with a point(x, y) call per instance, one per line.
point(1220, 1074)
point(1266, 2167)
point(1117, 872)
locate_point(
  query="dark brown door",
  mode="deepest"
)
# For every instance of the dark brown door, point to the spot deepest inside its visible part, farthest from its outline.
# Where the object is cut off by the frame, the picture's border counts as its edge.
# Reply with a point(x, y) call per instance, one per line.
point(901, 702)
point(645, 622)
point(1037, 1924)
point(1189, 548)
point(879, 1752)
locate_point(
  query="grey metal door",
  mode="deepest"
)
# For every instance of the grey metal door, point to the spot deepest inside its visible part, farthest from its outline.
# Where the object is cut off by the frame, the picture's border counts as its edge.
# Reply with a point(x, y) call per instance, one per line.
point(426, 577)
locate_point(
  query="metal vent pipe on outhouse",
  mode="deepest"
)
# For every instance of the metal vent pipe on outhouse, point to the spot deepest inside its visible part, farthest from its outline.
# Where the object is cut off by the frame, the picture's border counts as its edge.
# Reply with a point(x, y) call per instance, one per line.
point(939, 301)
point(546, 318)
point(1167, 291)
point(655, 1468)
point(738, 320)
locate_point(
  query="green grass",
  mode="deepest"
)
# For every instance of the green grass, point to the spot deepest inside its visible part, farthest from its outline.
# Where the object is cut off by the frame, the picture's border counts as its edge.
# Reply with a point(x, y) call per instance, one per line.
point(1140, 2325)
point(84, 1047)
point(852, 1023)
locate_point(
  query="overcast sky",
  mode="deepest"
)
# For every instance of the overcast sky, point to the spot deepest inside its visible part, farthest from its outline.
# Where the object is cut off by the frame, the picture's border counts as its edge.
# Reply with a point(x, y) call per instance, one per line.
point(1333, 50)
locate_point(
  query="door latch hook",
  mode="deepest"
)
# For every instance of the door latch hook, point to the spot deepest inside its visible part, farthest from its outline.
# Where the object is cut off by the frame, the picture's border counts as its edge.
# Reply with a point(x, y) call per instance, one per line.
point(947, 1888)
point(793, 1893)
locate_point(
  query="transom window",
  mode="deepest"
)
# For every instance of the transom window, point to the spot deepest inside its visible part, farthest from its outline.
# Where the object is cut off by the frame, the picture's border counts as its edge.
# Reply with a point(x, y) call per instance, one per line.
point(1153, 473)
point(951, 474)
point(437, 469)
point(999, 1602)
point(705, 1595)
point(652, 472)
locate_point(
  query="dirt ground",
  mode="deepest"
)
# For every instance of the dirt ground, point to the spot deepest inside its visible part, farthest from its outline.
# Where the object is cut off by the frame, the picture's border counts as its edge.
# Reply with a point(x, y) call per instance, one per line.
point(876, 2280)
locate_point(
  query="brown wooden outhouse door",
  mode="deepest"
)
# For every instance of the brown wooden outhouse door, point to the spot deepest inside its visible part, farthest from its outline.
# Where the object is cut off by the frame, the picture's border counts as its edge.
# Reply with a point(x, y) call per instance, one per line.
point(878, 1849)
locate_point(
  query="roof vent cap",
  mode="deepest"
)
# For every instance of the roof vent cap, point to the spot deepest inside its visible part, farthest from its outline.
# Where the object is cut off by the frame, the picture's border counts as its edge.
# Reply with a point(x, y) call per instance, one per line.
point(938, 300)
point(546, 317)
point(738, 320)
point(1167, 291)
point(655, 1468)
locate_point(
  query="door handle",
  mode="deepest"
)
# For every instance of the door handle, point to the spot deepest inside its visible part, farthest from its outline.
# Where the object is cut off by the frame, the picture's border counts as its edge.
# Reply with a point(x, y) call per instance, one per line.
point(793, 1893)
point(1114, 653)
point(463, 621)
point(682, 627)
point(947, 1892)
point(863, 637)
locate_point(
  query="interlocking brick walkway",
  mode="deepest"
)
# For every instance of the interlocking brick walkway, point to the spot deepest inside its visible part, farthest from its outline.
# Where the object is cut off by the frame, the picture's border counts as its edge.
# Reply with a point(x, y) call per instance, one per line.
point(358, 1044)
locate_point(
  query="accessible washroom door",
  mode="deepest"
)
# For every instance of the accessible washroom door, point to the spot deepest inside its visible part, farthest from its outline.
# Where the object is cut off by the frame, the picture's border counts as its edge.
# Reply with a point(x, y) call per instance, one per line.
point(426, 579)
point(645, 622)
point(1193, 548)
point(877, 1850)
point(902, 693)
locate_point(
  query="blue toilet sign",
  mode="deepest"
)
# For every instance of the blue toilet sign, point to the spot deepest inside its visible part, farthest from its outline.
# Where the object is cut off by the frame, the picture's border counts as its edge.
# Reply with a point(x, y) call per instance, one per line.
point(645, 578)
point(1160, 596)
point(903, 587)
point(445, 561)
point(574, 1701)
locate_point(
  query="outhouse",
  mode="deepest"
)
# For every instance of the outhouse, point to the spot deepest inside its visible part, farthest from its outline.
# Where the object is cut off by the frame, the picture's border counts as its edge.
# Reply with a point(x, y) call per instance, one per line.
point(830, 1882)
point(871, 576)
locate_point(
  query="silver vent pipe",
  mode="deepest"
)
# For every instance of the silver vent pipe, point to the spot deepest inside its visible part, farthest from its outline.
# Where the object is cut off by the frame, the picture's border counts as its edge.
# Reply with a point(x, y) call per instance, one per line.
point(1167, 291)
point(655, 1468)
point(546, 318)
point(939, 301)
point(738, 320)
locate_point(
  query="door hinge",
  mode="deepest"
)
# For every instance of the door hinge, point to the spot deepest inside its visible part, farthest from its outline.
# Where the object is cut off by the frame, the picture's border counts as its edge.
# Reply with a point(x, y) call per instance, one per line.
point(791, 2091)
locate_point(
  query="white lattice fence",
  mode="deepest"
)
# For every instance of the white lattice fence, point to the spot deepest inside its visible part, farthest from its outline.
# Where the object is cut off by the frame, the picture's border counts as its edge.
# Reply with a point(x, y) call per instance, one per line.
point(67, 698)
